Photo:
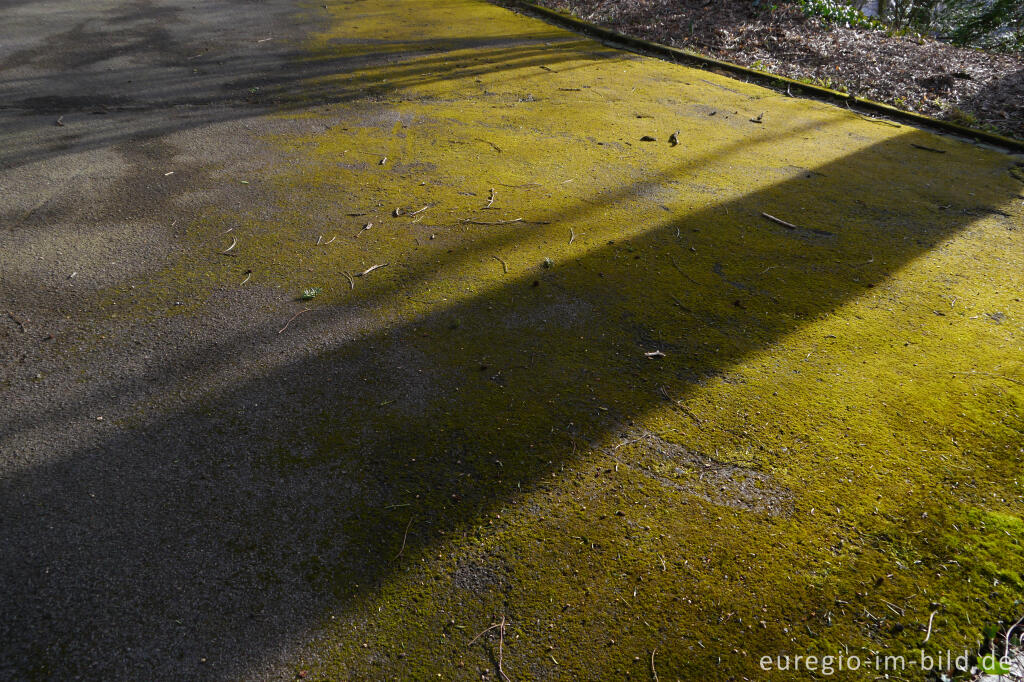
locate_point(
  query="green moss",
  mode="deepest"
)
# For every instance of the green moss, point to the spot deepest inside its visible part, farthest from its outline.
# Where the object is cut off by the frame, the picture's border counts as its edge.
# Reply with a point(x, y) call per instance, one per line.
point(516, 451)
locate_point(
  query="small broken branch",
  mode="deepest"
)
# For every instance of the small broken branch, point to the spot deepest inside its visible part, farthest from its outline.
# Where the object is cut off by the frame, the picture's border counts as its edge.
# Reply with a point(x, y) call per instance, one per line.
point(404, 538)
point(772, 218)
point(501, 648)
point(490, 200)
point(504, 265)
point(304, 310)
point(501, 644)
point(370, 269)
point(485, 631)
point(927, 149)
point(470, 221)
point(234, 243)
point(496, 147)
point(928, 634)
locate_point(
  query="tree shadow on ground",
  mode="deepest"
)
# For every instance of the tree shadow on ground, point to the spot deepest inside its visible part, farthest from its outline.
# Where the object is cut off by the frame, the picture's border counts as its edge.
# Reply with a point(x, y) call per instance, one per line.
point(132, 75)
point(999, 103)
point(233, 522)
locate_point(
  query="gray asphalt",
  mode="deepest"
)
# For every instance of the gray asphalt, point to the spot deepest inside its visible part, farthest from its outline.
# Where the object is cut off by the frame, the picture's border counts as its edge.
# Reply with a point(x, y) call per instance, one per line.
point(149, 528)
point(122, 549)
point(165, 512)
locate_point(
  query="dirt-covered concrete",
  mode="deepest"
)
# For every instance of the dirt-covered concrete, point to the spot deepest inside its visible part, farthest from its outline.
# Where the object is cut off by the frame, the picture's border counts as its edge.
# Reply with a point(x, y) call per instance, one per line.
point(553, 374)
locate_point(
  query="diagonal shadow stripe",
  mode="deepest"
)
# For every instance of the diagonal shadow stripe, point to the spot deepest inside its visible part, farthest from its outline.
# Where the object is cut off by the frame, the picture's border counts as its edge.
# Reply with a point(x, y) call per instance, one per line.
point(206, 515)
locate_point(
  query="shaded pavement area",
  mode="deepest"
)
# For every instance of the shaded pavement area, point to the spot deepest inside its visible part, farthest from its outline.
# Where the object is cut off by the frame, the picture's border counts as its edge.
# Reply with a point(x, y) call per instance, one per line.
point(649, 407)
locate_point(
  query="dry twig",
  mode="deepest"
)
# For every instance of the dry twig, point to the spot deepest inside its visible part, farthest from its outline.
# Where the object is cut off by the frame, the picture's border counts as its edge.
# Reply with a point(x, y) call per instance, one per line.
point(484, 632)
point(370, 269)
point(501, 644)
point(404, 538)
point(504, 265)
point(304, 310)
point(496, 147)
point(779, 221)
point(928, 634)
point(470, 221)
point(501, 648)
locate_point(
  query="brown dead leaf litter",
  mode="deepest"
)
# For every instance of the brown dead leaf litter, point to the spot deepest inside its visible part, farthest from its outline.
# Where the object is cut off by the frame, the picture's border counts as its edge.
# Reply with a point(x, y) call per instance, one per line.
point(972, 87)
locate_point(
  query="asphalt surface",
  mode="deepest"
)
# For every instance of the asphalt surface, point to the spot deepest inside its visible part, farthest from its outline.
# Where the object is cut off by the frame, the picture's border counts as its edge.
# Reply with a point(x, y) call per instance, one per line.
point(163, 484)
point(112, 563)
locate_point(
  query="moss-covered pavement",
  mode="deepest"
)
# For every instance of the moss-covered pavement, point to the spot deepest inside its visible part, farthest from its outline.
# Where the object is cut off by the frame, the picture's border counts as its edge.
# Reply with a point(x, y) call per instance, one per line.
point(555, 378)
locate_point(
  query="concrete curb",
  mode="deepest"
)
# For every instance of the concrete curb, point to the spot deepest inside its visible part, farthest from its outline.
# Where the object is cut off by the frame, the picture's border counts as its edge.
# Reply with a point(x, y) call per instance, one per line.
point(760, 77)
